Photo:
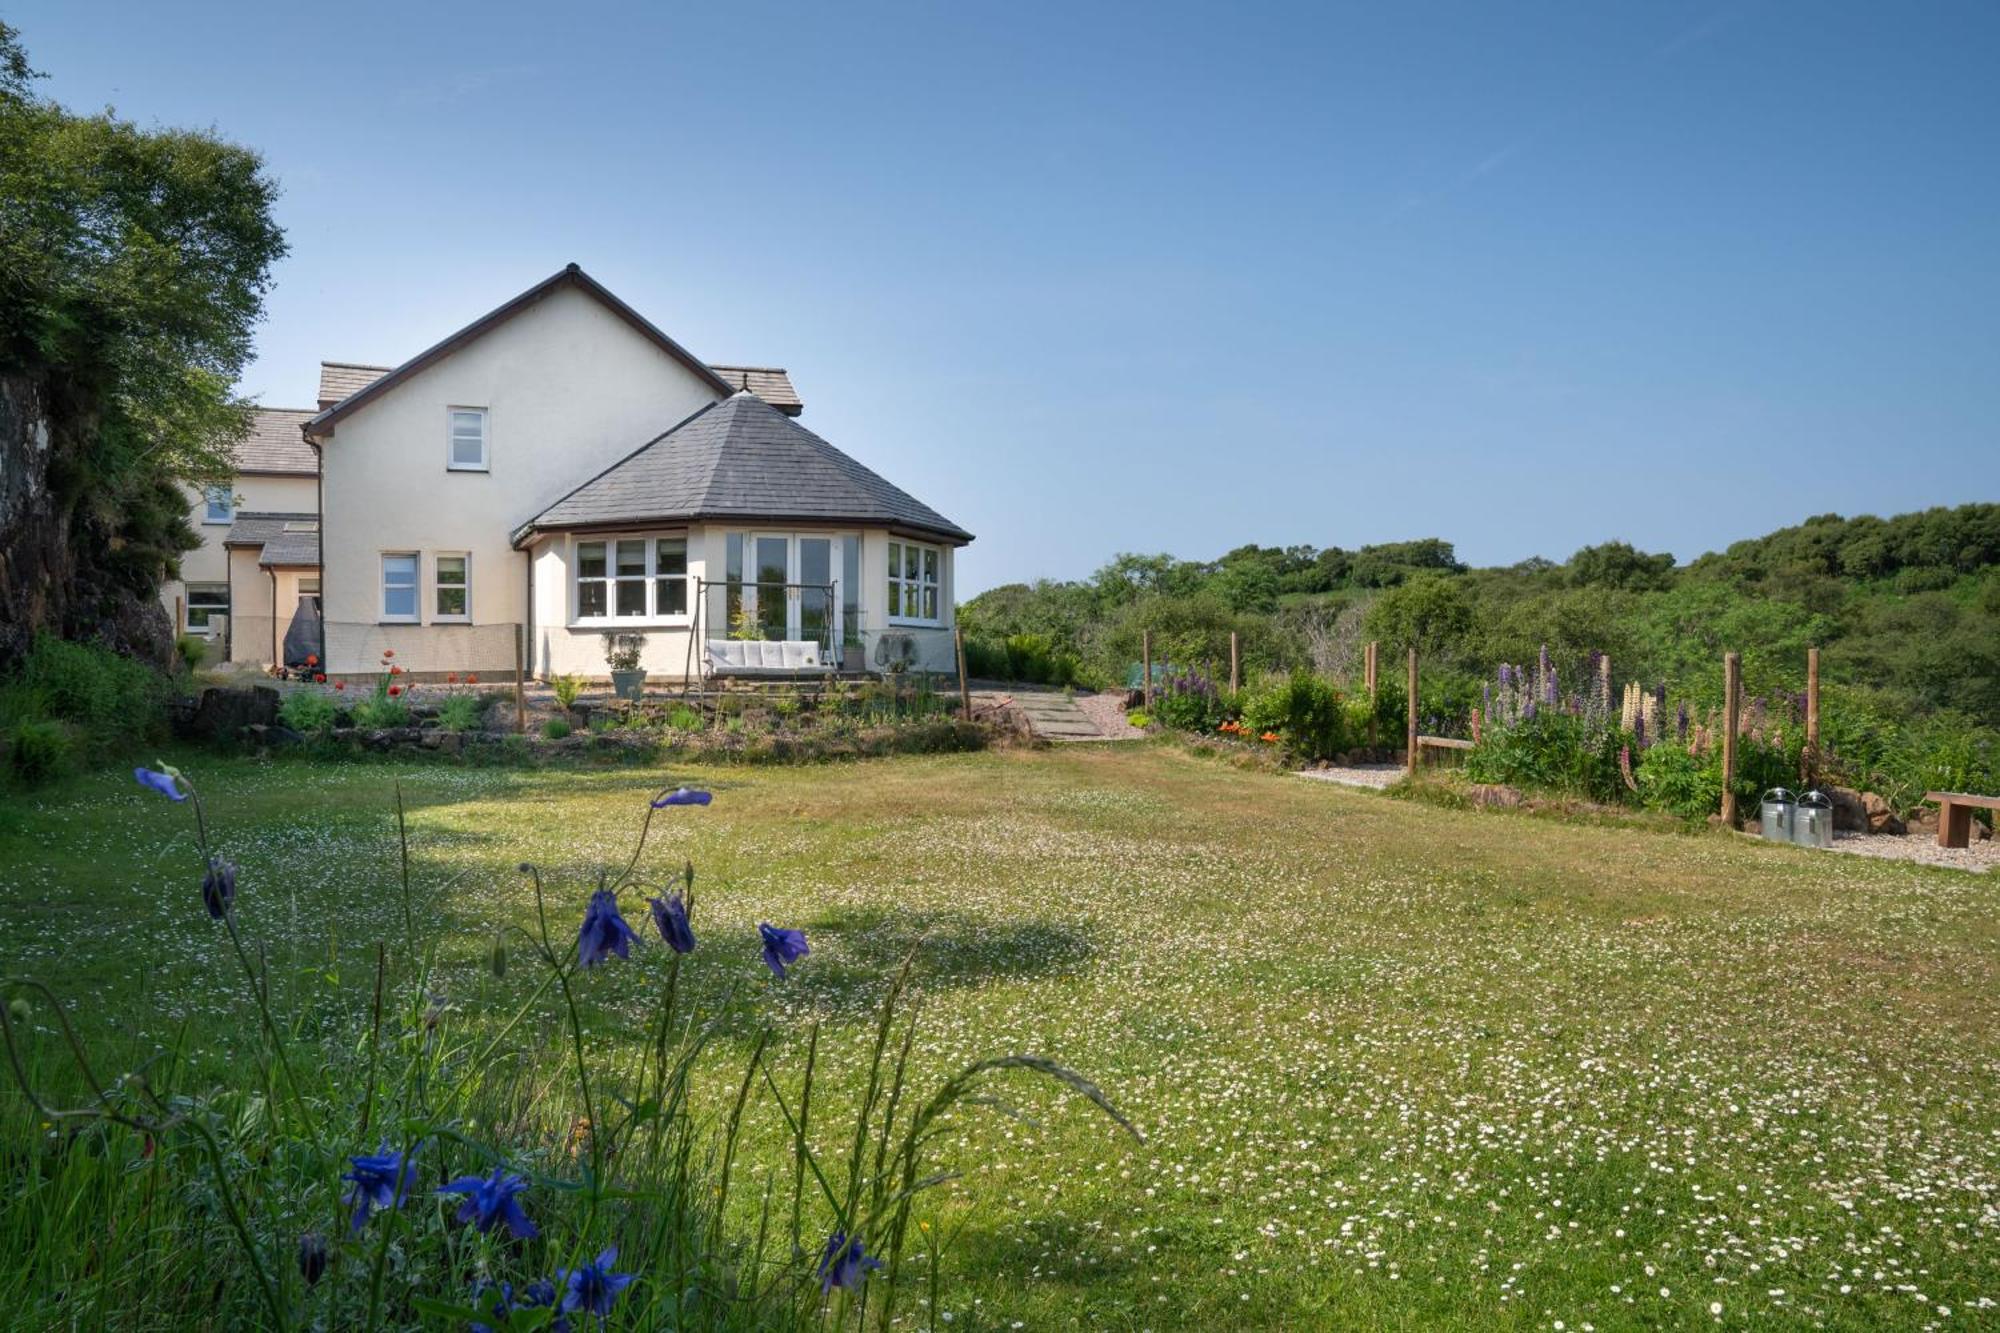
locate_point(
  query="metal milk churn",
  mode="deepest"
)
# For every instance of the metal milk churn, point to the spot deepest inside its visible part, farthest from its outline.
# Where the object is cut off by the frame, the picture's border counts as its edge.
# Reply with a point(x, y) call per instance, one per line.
point(1775, 812)
point(1812, 820)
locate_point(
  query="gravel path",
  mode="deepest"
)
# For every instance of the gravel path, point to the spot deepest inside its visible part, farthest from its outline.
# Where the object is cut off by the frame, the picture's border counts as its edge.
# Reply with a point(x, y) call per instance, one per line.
point(1980, 856)
point(1107, 711)
point(1356, 775)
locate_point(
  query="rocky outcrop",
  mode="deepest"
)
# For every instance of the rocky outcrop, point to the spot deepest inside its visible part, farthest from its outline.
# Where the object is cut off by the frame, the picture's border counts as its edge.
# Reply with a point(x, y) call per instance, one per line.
point(227, 714)
point(1850, 812)
point(1881, 818)
point(69, 562)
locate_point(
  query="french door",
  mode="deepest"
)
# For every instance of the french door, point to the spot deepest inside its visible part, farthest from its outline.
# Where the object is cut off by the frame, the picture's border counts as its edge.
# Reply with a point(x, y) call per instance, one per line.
point(790, 592)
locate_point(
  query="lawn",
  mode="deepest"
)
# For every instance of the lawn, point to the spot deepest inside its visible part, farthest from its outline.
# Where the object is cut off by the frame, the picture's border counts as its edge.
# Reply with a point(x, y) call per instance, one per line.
point(1396, 1066)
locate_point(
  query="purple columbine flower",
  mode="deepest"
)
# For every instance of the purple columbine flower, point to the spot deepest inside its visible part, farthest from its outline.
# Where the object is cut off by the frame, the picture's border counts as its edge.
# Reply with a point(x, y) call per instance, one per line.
point(603, 931)
point(682, 796)
point(781, 946)
point(844, 1264)
point(380, 1181)
point(163, 783)
point(594, 1287)
point(497, 1299)
point(492, 1201)
point(218, 887)
point(670, 914)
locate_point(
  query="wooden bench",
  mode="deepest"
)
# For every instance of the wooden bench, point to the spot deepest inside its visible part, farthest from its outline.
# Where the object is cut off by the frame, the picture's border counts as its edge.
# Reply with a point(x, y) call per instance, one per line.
point(1955, 815)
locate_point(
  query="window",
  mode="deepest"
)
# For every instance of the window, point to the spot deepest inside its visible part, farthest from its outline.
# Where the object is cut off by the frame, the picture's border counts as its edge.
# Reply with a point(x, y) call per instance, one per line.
point(399, 586)
point(632, 578)
point(221, 502)
point(913, 581)
point(670, 581)
point(454, 587)
point(205, 600)
point(468, 440)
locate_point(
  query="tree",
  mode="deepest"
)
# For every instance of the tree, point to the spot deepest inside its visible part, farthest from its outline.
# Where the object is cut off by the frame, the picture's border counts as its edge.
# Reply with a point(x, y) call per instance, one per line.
point(1430, 612)
point(133, 268)
point(1621, 565)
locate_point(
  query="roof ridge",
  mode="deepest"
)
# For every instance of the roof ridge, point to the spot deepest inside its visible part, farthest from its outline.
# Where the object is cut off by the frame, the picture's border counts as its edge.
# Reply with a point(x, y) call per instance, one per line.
point(354, 365)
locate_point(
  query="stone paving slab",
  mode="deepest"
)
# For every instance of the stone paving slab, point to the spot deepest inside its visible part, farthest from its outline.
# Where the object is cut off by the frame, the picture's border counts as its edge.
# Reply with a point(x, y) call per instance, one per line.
point(1050, 715)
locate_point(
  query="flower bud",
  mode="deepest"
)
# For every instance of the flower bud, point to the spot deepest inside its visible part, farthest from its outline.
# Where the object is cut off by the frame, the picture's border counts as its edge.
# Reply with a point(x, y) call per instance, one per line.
point(312, 1257)
point(18, 1008)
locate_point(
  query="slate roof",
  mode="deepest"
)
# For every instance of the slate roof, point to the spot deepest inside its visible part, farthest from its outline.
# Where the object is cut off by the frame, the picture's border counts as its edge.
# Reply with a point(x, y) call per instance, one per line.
point(274, 445)
point(275, 532)
point(338, 379)
point(740, 458)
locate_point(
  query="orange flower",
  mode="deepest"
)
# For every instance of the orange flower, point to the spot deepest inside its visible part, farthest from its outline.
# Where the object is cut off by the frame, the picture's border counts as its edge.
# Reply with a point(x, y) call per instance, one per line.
point(388, 652)
point(471, 678)
point(395, 690)
point(340, 684)
point(395, 671)
point(312, 659)
point(451, 678)
point(319, 678)
point(1269, 738)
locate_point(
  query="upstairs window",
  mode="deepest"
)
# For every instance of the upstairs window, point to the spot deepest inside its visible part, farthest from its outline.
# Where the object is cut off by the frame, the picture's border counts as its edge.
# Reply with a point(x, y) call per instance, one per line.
point(221, 501)
point(913, 581)
point(466, 450)
point(399, 586)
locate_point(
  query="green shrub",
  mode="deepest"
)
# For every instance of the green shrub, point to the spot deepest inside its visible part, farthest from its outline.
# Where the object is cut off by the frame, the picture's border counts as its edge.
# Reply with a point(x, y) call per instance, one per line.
point(381, 713)
point(1674, 780)
point(1188, 702)
point(566, 689)
point(684, 718)
point(1139, 717)
point(1304, 709)
point(39, 751)
point(193, 651)
point(602, 723)
point(555, 729)
point(307, 712)
point(1552, 751)
point(112, 702)
point(461, 712)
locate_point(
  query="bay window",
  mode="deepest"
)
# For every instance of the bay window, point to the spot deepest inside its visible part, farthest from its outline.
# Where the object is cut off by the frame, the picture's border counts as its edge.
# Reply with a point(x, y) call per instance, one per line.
point(631, 578)
point(913, 581)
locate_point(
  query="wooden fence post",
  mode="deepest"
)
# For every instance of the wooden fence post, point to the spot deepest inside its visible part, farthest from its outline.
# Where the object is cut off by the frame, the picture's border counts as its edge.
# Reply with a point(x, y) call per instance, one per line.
point(1410, 726)
point(1368, 669)
point(1235, 665)
point(964, 685)
point(1146, 665)
point(1810, 761)
point(1732, 690)
point(520, 681)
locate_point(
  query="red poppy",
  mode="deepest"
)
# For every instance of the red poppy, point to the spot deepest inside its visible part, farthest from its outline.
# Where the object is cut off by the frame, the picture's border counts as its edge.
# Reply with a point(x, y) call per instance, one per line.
point(471, 678)
point(388, 652)
point(340, 684)
point(319, 678)
point(312, 659)
point(451, 678)
point(395, 690)
point(395, 671)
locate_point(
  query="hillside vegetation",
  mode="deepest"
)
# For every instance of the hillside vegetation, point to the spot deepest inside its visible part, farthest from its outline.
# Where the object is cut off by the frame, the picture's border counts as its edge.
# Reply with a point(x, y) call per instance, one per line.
point(1906, 611)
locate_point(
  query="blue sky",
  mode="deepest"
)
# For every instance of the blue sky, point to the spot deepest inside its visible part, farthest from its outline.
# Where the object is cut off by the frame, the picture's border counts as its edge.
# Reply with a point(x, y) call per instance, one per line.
point(1094, 278)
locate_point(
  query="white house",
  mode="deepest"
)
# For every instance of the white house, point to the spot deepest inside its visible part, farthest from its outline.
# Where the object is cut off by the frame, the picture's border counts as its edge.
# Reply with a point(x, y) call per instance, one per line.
point(559, 469)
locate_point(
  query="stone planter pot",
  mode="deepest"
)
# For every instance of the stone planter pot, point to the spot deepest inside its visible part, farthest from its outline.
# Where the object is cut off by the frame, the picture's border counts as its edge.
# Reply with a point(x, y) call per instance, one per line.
point(629, 684)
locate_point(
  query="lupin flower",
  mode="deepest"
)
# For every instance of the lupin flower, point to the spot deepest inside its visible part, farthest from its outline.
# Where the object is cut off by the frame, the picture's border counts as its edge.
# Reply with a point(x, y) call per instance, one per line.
point(594, 1287)
point(844, 1264)
point(167, 784)
point(380, 1181)
point(492, 1201)
point(781, 946)
point(682, 796)
point(670, 914)
point(604, 931)
point(218, 887)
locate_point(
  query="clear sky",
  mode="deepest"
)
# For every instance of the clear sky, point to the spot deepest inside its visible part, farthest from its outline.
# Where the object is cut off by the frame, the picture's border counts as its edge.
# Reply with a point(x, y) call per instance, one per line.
point(1091, 278)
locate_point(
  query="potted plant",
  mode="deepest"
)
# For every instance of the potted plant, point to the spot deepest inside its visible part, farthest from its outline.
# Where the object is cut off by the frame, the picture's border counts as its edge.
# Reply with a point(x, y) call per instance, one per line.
point(621, 654)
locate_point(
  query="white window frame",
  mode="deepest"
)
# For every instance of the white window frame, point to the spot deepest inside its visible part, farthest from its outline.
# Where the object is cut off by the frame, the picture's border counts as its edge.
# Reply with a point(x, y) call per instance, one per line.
point(188, 608)
point(650, 579)
point(416, 586)
point(208, 495)
point(451, 463)
point(438, 585)
point(899, 587)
